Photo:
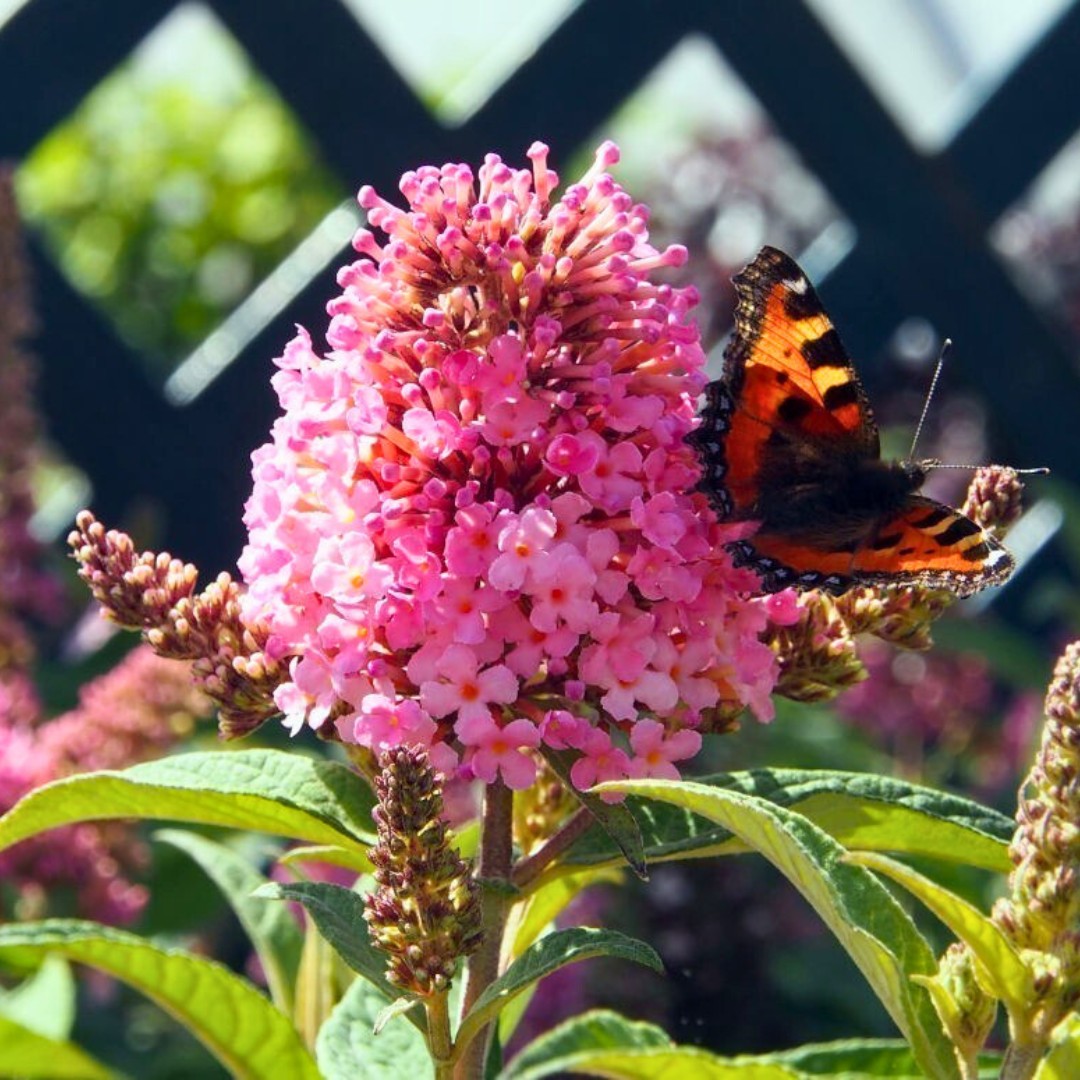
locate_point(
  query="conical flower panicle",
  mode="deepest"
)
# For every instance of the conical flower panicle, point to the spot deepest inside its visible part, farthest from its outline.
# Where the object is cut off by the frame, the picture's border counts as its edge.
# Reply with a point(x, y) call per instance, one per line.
point(817, 653)
point(1042, 912)
point(426, 912)
point(474, 527)
point(155, 593)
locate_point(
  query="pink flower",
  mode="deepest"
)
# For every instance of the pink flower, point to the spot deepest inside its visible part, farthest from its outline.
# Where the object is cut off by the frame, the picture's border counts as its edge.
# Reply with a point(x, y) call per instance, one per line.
point(600, 760)
point(562, 591)
point(521, 541)
point(495, 749)
point(479, 503)
point(464, 689)
point(656, 751)
point(384, 723)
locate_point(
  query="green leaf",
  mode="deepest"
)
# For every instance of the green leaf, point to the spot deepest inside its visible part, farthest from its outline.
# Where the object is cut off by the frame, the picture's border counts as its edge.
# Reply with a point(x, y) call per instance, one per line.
point(861, 913)
point(268, 791)
point(338, 914)
point(547, 955)
point(27, 1053)
point(45, 1002)
point(862, 812)
point(347, 858)
point(597, 1030)
point(616, 821)
point(1002, 970)
point(250, 1037)
point(857, 1058)
point(348, 1048)
point(543, 906)
point(1062, 1062)
point(604, 1044)
point(273, 931)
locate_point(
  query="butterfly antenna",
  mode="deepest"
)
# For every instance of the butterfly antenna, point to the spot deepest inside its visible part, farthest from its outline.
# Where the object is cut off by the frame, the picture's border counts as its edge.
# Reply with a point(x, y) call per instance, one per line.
point(945, 346)
point(1041, 471)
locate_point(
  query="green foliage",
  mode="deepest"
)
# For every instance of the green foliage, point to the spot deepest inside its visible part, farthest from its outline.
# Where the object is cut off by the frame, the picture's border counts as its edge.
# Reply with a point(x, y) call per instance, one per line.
point(804, 822)
point(264, 790)
point(167, 197)
point(25, 1053)
point(862, 914)
point(273, 931)
point(235, 1022)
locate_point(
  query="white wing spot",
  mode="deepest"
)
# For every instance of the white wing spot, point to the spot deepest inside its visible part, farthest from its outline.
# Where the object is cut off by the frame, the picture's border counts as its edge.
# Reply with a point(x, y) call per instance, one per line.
point(797, 285)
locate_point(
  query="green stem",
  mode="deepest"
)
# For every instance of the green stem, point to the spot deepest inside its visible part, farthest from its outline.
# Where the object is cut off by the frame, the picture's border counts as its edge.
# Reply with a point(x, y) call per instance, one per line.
point(438, 1034)
point(496, 855)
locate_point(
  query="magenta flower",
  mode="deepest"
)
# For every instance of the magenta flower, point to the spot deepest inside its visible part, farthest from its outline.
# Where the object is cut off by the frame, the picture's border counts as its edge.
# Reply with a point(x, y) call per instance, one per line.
point(497, 749)
point(656, 750)
point(477, 507)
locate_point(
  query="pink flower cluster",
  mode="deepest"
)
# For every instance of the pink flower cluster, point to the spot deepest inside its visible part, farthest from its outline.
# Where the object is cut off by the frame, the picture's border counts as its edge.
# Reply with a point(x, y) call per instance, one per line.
point(137, 711)
point(474, 528)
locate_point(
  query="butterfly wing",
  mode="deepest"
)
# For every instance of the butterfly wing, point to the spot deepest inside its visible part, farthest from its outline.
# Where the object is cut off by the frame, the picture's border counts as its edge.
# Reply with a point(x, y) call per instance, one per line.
point(789, 394)
point(788, 426)
point(925, 543)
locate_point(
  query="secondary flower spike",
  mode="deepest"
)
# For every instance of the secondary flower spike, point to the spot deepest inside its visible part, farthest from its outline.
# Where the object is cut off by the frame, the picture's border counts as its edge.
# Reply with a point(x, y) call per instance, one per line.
point(476, 509)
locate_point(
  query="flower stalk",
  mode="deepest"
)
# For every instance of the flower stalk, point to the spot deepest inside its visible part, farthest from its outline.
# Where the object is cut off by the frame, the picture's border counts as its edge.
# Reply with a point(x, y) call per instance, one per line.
point(497, 890)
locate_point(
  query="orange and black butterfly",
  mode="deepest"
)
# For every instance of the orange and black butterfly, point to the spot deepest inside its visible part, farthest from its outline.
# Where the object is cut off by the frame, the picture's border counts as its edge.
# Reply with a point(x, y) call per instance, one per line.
point(787, 439)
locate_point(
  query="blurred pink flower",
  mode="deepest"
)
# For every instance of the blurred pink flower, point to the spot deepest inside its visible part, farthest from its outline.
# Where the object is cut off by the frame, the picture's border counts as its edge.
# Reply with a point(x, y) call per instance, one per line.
point(480, 499)
point(135, 712)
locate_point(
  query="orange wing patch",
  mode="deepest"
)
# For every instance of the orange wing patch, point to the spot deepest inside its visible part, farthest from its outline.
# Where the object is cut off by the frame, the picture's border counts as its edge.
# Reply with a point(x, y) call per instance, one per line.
point(927, 544)
point(935, 546)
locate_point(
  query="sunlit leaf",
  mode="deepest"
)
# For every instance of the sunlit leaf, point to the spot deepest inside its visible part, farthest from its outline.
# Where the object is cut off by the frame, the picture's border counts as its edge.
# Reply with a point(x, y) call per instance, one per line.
point(45, 1002)
point(247, 1034)
point(1002, 971)
point(268, 791)
point(26, 1053)
point(273, 931)
point(861, 913)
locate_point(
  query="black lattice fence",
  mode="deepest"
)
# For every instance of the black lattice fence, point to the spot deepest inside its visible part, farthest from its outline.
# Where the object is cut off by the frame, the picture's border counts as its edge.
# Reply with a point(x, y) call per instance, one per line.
point(922, 222)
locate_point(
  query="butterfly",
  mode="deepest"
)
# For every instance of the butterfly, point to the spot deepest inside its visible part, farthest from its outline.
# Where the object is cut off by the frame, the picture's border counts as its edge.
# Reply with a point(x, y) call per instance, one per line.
point(787, 439)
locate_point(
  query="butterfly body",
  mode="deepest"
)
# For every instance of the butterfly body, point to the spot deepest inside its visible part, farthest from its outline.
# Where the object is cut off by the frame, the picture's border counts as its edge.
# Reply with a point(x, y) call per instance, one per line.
point(788, 441)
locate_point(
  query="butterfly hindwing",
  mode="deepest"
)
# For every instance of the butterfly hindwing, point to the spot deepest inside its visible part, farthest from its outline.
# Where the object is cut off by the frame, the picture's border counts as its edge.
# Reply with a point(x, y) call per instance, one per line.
point(788, 439)
point(930, 544)
point(926, 543)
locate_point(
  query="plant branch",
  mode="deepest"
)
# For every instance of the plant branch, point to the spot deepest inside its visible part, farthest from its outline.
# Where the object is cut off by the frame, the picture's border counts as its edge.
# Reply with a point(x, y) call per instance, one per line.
point(529, 869)
point(496, 856)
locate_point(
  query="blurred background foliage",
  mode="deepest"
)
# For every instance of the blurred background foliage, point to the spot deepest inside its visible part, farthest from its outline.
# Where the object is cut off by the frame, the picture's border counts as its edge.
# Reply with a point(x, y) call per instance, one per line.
point(179, 183)
point(183, 182)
